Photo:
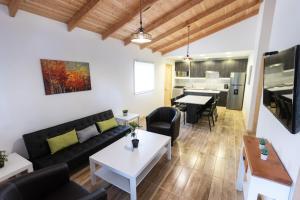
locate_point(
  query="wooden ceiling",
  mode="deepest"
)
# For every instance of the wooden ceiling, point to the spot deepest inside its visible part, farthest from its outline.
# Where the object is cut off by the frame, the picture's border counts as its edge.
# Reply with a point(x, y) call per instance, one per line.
point(166, 20)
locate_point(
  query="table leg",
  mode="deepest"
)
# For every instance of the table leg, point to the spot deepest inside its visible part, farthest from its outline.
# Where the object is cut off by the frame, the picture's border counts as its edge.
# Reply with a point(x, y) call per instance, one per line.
point(93, 170)
point(133, 189)
point(169, 151)
point(30, 169)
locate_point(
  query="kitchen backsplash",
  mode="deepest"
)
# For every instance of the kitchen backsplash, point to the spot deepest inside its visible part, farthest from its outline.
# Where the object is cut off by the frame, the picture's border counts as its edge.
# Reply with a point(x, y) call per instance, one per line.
point(203, 83)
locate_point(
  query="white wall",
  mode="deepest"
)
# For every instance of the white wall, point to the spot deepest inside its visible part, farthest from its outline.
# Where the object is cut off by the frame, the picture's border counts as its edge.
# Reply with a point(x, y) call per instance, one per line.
point(24, 107)
point(261, 45)
point(285, 33)
point(238, 37)
point(248, 91)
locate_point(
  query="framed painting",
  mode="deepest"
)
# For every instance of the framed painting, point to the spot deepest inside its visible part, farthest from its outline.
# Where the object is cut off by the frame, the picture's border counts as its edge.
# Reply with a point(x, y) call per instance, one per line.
point(65, 76)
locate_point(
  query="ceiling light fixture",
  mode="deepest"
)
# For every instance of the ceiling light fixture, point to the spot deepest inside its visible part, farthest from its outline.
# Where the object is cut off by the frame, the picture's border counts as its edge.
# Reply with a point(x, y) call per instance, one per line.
point(188, 58)
point(140, 36)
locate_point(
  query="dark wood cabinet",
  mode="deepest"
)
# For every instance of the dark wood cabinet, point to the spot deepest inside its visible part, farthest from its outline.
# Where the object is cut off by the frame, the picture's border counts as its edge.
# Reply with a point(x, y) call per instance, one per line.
point(223, 99)
point(197, 70)
point(182, 66)
point(224, 67)
point(182, 69)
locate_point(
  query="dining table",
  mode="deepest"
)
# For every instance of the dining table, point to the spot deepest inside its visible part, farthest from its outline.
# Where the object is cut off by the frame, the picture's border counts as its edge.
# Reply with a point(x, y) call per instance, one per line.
point(195, 104)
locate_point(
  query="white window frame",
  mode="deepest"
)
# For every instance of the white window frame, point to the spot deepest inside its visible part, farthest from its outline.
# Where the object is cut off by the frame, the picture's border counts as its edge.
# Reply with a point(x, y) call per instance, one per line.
point(134, 78)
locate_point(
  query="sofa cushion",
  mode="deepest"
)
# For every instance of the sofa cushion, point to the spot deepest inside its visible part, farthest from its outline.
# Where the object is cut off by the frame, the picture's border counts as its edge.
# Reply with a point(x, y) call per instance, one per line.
point(107, 124)
point(87, 133)
point(79, 153)
point(62, 141)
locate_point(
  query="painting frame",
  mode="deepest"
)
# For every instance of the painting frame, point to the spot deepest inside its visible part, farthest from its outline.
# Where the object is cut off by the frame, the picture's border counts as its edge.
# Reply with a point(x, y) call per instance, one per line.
point(61, 76)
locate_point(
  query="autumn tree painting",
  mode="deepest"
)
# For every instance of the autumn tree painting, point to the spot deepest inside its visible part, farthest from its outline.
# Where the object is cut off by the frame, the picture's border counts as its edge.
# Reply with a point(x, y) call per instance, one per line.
point(65, 76)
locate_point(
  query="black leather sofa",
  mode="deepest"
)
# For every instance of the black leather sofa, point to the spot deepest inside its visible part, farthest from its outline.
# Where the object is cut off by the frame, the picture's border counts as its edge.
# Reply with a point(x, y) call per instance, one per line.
point(50, 183)
point(165, 121)
point(76, 155)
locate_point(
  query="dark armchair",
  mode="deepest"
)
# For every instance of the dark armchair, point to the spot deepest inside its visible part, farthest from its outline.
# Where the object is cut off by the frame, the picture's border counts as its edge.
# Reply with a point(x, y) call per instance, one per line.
point(47, 184)
point(165, 121)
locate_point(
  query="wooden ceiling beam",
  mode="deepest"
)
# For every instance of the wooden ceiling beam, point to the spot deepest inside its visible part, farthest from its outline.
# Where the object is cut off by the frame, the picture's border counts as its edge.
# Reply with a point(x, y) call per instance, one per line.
point(223, 26)
point(13, 7)
point(81, 13)
point(127, 18)
point(190, 21)
point(183, 7)
point(208, 24)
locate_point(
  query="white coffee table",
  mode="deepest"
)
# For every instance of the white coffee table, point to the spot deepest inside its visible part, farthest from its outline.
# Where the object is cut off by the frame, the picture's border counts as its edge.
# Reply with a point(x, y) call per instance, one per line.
point(128, 118)
point(14, 166)
point(125, 168)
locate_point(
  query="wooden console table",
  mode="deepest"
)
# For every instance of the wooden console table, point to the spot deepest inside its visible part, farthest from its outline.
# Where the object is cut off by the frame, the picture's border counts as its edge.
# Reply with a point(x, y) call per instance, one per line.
point(267, 177)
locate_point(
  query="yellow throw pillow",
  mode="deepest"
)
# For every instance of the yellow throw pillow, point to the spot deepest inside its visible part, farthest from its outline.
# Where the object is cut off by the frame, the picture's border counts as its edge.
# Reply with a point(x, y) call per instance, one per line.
point(107, 124)
point(62, 141)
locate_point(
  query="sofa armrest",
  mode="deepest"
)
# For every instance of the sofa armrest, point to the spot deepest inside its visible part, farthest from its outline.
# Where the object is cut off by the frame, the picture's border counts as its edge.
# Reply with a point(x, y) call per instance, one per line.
point(41, 182)
point(99, 194)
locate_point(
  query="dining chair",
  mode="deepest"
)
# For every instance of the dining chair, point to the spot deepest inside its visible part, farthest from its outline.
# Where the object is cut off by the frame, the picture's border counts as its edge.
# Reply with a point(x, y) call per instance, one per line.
point(209, 114)
point(181, 107)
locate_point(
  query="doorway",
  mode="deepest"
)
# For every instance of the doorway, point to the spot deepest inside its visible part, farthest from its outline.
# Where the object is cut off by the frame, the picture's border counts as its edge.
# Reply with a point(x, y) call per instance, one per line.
point(168, 85)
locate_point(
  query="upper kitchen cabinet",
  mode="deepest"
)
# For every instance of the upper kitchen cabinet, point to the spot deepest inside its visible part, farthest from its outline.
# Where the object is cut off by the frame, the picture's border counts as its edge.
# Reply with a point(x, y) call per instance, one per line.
point(224, 67)
point(197, 70)
point(231, 65)
point(182, 69)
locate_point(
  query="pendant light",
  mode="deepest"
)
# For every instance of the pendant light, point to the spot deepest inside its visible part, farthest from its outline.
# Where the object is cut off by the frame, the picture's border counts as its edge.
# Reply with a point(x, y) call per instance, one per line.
point(188, 58)
point(140, 36)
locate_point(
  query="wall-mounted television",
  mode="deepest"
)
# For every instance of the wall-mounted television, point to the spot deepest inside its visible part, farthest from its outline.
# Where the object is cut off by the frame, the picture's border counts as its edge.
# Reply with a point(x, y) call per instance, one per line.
point(282, 86)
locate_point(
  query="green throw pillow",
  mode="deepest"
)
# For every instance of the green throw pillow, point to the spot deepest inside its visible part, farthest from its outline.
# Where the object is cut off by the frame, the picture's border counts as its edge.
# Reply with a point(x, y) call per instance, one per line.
point(62, 141)
point(107, 124)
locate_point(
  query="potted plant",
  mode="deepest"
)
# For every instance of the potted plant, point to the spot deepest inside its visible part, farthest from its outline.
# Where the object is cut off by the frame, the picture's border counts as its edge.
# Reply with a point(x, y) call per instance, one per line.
point(264, 153)
point(3, 158)
point(262, 143)
point(133, 127)
point(125, 112)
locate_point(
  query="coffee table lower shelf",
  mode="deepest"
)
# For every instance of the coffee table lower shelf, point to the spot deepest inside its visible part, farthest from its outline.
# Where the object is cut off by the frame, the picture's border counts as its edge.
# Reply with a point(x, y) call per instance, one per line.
point(123, 182)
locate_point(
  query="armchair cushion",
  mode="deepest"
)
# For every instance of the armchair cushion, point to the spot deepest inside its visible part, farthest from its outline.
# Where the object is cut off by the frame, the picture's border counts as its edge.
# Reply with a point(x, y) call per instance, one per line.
point(161, 125)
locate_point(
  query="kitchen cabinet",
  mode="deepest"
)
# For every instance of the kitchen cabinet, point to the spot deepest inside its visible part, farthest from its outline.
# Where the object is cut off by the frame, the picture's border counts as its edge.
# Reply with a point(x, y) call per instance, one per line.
point(182, 69)
point(197, 70)
point(223, 99)
point(224, 67)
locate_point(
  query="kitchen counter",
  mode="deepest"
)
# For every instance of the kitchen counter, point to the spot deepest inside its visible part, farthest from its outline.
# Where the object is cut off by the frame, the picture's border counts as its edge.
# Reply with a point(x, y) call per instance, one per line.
point(203, 91)
point(282, 88)
point(215, 91)
point(221, 93)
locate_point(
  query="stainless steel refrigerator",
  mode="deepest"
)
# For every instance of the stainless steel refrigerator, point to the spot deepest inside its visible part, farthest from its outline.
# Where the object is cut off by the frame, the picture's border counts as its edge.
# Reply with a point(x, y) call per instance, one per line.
point(236, 91)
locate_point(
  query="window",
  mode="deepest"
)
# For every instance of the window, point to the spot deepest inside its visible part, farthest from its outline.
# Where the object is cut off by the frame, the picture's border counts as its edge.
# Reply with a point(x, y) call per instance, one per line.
point(143, 77)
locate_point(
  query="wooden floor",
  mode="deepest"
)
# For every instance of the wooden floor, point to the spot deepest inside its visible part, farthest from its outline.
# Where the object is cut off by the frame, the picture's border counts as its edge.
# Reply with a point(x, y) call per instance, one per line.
point(203, 166)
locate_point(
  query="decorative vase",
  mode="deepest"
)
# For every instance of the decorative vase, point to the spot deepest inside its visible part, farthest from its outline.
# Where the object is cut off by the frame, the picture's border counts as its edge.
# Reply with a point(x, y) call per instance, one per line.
point(263, 157)
point(125, 114)
point(262, 143)
point(135, 143)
